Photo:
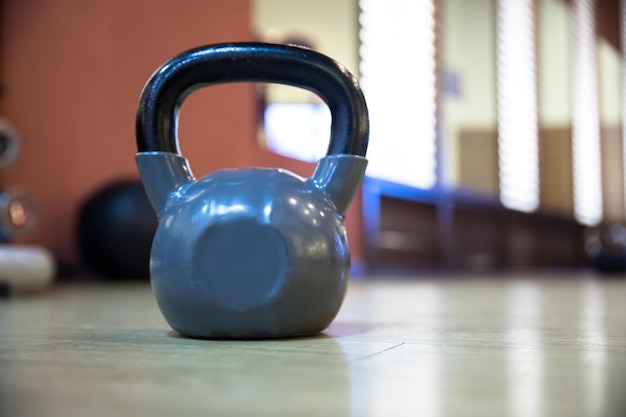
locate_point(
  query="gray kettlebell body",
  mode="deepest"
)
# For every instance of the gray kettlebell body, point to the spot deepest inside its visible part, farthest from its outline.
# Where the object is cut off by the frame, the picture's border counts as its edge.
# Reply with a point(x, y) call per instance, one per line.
point(248, 253)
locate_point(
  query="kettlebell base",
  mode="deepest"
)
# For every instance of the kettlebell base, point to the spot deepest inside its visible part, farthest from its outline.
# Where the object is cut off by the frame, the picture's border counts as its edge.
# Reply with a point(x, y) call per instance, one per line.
point(244, 331)
point(204, 321)
point(253, 336)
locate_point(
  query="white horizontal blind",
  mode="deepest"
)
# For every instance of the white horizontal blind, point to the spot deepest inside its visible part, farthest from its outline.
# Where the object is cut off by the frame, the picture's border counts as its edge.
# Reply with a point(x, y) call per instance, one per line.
point(517, 105)
point(586, 117)
point(398, 78)
point(623, 55)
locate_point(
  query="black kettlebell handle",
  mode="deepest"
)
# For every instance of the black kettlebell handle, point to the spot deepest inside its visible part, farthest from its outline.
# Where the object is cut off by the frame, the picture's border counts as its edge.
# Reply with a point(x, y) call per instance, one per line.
point(157, 116)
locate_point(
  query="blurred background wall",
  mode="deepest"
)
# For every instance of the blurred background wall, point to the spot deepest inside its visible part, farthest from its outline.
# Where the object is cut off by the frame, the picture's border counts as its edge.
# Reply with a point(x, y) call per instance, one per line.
point(72, 72)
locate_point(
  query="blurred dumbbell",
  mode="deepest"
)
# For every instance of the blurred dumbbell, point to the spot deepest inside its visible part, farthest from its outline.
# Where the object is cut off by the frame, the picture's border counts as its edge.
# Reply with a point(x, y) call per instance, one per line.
point(22, 267)
point(9, 144)
point(19, 214)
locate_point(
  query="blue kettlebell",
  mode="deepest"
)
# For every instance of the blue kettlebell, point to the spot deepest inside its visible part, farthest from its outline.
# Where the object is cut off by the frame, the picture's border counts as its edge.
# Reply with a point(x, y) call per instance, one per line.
point(254, 252)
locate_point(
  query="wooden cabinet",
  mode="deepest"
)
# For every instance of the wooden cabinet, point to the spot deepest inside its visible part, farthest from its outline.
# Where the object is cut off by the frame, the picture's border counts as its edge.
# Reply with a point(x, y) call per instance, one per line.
point(408, 229)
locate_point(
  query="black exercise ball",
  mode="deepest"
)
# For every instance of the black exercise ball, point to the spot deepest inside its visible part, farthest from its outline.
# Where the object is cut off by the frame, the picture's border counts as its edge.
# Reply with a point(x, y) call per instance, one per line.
point(116, 226)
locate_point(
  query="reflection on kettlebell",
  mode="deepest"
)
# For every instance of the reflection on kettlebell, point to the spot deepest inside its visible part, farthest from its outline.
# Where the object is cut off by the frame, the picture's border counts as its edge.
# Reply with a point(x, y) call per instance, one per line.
point(250, 253)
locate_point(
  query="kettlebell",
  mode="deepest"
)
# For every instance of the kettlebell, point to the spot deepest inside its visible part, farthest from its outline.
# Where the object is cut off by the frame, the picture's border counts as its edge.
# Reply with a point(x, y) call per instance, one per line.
point(253, 252)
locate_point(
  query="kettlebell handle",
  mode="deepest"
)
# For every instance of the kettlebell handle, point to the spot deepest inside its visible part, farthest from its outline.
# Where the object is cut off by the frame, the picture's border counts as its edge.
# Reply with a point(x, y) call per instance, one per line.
point(157, 115)
point(162, 167)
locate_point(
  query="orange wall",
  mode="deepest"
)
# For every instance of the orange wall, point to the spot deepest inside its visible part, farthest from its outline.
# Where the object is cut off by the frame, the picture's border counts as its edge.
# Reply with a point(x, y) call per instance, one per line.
point(73, 71)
